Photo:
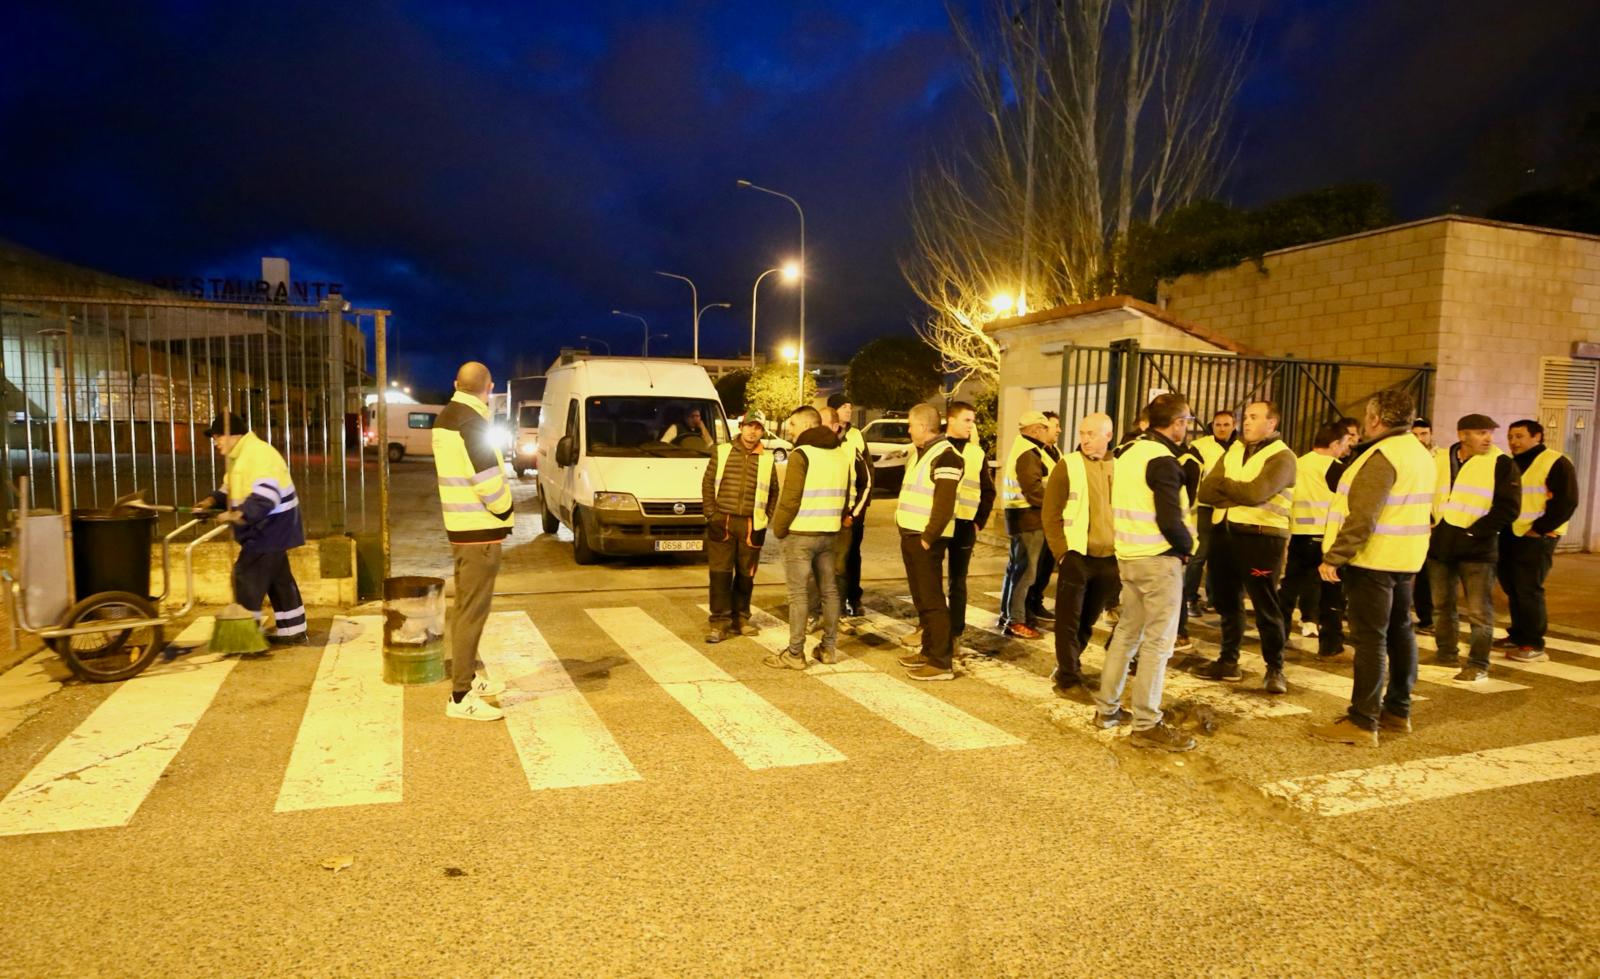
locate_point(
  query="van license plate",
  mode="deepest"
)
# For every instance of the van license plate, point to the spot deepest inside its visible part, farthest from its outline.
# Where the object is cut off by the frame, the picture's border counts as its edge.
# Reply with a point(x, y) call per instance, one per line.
point(679, 545)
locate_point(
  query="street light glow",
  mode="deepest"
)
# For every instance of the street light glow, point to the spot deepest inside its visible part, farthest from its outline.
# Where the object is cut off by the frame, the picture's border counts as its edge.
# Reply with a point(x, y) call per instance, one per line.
point(1002, 302)
point(791, 271)
point(789, 351)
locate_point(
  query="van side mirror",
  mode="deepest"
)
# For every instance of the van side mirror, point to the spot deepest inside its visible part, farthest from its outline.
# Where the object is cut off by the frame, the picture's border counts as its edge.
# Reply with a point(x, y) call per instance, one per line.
point(566, 453)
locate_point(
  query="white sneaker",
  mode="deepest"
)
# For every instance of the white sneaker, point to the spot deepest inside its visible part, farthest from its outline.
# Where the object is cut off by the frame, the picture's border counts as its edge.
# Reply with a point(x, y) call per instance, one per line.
point(473, 708)
point(485, 686)
point(1309, 630)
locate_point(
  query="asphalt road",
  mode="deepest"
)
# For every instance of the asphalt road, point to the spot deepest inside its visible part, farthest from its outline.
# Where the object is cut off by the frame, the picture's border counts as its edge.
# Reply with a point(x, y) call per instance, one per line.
point(660, 806)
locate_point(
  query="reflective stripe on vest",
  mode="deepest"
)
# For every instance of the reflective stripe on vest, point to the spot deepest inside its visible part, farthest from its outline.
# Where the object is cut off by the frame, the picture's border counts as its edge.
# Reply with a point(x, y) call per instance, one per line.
point(1275, 511)
point(469, 498)
point(1075, 515)
point(1536, 493)
point(1312, 497)
point(916, 493)
point(1399, 539)
point(1133, 503)
point(829, 475)
point(758, 510)
point(1461, 504)
point(1011, 491)
point(970, 493)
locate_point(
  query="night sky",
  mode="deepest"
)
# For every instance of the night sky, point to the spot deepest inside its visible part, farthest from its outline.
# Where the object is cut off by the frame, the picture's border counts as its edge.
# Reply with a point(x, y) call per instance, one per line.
point(504, 176)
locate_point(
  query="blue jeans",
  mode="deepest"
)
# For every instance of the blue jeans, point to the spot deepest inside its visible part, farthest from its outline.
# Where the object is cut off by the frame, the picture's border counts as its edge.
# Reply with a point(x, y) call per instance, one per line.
point(1152, 592)
point(1378, 605)
point(808, 558)
point(1448, 580)
point(1020, 571)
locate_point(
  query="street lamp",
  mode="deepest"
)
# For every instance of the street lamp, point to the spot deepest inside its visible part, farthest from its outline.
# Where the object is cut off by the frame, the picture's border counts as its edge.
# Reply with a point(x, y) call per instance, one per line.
point(790, 272)
point(765, 190)
point(702, 313)
point(789, 352)
point(694, 305)
point(598, 340)
point(642, 322)
point(1003, 302)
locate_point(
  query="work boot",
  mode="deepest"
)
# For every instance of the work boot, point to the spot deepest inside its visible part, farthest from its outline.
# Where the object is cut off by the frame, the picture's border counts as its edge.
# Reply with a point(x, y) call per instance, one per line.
point(785, 661)
point(1163, 736)
point(1220, 669)
point(913, 661)
point(746, 629)
point(912, 639)
point(1345, 731)
point(1394, 723)
point(1275, 682)
point(719, 634)
point(825, 654)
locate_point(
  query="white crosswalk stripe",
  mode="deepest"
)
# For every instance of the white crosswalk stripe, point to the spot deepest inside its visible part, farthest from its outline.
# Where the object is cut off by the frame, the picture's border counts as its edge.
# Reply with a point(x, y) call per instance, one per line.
point(102, 772)
point(348, 751)
point(559, 738)
point(1384, 786)
point(914, 711)
point(1562, 671)
point(759, 734)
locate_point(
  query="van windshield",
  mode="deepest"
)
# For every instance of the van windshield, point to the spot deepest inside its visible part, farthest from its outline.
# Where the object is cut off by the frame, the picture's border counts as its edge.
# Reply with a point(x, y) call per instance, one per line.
point(528, 416)
point(652, 426)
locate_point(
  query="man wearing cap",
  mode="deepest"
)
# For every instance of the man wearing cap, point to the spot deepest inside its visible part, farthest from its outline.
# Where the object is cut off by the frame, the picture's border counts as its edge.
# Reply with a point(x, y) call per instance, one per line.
point(811, 510)
point(1528, 547)
point(739, 495)
point(261, 503)
point(1047, 561)
point(1211, 449)
point(851, 438)
point(1477, 493)
point(1027, 467)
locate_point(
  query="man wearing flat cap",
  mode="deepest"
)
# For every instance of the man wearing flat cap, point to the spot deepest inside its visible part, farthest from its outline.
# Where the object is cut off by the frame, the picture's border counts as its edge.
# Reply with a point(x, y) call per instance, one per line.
point(1478, 493)
point(1027, 468)
point(739, 493)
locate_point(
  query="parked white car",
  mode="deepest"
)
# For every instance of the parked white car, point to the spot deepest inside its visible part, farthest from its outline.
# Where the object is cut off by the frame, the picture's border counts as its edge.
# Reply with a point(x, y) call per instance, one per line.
point(410, 429)
point(888, 444)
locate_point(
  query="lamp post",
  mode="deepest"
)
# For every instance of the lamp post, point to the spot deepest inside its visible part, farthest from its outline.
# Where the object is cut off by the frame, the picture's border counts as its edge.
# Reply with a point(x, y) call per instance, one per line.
point(642, 322)
point(694, 305)
point(791, 272)
point(702, 313)
point(598, 340)
point(801, 367)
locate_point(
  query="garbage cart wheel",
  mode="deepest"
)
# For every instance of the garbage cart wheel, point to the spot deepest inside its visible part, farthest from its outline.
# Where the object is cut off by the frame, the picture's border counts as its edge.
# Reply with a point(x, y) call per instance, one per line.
point(115, 654)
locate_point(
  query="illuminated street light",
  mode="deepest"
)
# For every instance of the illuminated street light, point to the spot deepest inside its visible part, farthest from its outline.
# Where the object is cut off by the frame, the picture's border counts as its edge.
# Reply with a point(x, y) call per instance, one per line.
point(747, 185)
point(790, 352)
point(790, 272)
point(1003, 302)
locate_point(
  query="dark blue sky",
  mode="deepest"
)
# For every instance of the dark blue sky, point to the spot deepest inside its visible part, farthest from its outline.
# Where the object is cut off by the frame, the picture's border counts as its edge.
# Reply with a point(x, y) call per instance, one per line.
point(502, 176)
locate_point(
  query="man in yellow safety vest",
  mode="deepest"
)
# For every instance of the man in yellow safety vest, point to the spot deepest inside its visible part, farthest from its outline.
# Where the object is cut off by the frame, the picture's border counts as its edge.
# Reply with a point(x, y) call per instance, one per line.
point(1528, 546)
point(812, 509)
point(1320, 602)
point(1250, 495)
point(1377, 539)
point(1079, 529)
point(1478, 493)
point(925, 514)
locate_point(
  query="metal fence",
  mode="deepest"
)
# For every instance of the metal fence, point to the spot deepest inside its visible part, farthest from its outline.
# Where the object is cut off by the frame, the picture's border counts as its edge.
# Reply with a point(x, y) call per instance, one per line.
point(139, 380)
point(1122, 378)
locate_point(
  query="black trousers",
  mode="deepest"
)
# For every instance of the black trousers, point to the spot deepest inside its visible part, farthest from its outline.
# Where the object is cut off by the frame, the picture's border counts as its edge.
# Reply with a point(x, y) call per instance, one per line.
point(1084, 586)
point(1524, 565)
point(1422, 598)
point(850, 577)
point(1245, 563)
point(1195, 570)
point(1320, 601)
point(733, 550)
point(923, 573)
point(1041, 578)
point(259, 575)
point(958, 557)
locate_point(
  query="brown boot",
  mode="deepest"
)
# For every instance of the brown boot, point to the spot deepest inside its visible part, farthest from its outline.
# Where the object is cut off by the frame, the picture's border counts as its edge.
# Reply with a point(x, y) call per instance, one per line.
point(1394, 722)
point(1345, 731)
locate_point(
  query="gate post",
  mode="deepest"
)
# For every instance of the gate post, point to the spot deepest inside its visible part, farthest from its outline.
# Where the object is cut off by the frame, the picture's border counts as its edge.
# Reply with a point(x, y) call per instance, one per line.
point(1122, 382)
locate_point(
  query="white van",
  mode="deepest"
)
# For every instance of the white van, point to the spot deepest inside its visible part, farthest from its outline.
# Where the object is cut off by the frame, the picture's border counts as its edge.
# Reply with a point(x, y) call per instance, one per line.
point(524, 455)
point(623, 444)
point(410, 429)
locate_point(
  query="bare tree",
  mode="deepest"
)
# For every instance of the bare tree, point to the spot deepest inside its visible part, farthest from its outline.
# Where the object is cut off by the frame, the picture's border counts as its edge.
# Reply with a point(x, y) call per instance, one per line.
point(1095, 115)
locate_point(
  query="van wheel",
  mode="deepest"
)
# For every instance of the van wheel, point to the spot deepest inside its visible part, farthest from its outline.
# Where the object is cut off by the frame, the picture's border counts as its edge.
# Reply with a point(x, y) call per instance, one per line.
point(396, 452)
point(547, 520)
point(582, 553)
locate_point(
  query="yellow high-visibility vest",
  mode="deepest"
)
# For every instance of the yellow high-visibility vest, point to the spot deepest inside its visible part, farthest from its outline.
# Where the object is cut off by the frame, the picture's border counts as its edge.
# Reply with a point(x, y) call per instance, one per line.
point(1536, 493)
point(1472, 495)
point(915, 505)
point(1211, 452)
point(829, 475)
point(758, 512)
point(1312, 497)
point(1399, 539)
point(1011, 490)
point(470, 498)
point(1075, 515)
point(1275, 511)
point(970, 493)
point(1133, 503)
point(254, 464)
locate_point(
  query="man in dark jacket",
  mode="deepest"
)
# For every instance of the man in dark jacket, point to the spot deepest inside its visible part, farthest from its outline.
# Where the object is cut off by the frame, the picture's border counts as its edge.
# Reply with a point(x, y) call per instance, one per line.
point(1023, 476)
point(811, 511)
point(1528, 546)
point(1478, 494)
point(738, 492)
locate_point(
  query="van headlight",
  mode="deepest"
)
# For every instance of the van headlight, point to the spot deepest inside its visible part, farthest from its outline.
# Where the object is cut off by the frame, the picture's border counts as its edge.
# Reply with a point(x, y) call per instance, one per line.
point(615, 501)
point(529, 448)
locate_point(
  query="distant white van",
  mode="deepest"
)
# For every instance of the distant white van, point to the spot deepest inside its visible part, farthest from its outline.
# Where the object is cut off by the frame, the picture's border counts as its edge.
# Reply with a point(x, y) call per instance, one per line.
point(623, 444)
point(410, 429)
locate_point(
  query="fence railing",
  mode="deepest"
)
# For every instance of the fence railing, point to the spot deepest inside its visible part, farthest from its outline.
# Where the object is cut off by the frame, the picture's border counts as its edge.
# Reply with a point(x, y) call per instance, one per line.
point(1122, 378)
point(141, 379)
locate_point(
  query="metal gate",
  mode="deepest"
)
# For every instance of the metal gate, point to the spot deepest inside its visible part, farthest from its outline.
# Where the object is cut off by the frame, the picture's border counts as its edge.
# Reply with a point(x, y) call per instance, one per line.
point(1121, 379)
point(138, 381)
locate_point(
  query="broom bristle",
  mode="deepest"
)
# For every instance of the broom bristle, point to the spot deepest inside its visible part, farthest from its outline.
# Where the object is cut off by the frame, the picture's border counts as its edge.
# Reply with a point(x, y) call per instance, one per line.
point(237, 636)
